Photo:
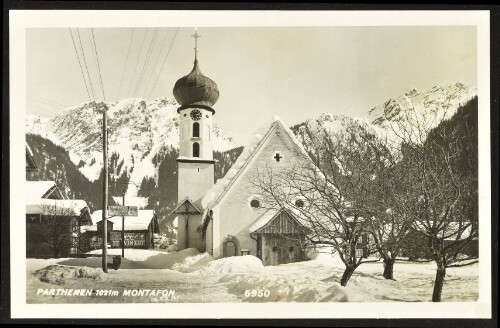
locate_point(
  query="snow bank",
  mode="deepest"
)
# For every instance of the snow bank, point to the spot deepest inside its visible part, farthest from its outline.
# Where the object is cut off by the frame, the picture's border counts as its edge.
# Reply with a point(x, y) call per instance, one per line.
point(192, 263)
point(246, 263)
point(295, 282)
point(155, 261)
point(132, 254)
point(33, 265)
point(57, 274)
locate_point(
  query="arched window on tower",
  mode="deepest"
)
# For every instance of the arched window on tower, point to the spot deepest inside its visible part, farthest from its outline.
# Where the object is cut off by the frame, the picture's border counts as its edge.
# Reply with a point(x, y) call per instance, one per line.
point(196, 130)
point(196, 149)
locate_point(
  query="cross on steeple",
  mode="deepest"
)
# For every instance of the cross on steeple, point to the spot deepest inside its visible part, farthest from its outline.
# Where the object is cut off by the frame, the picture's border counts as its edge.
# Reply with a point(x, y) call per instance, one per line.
point(196, 36)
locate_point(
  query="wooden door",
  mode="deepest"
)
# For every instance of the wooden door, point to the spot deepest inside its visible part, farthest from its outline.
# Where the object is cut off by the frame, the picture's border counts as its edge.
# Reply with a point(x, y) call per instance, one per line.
point(230, 248)
point(279, 250)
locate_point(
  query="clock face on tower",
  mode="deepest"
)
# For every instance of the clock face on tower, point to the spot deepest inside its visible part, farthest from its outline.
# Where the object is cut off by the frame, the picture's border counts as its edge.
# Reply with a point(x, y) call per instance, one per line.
point(195, 115)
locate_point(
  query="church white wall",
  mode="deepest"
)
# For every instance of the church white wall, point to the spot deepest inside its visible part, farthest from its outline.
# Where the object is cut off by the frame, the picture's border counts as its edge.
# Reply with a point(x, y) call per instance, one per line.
point(195, 179)
point(234, 215)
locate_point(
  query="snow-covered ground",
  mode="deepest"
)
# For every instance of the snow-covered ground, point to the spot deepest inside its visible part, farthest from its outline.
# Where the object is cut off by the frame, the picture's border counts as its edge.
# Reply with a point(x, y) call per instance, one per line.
point(197, 277)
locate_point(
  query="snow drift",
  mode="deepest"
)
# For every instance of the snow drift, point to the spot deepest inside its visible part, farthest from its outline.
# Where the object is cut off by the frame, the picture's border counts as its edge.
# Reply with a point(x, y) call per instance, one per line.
point(57, 274)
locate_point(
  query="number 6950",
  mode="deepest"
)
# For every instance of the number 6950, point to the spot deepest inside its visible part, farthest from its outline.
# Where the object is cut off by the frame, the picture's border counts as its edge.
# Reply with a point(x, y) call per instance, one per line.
point(257, 293)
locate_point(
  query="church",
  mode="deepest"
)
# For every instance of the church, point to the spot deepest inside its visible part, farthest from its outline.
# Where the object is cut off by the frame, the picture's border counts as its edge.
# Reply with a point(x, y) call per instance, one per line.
point(227, 218)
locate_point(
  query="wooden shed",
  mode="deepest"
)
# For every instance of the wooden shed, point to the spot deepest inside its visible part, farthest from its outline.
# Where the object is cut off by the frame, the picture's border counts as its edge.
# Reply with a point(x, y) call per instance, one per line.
point(280, 238)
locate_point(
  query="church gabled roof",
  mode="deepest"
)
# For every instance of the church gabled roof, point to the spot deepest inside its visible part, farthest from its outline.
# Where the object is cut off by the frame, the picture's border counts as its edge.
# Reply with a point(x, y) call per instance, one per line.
point(220, 189)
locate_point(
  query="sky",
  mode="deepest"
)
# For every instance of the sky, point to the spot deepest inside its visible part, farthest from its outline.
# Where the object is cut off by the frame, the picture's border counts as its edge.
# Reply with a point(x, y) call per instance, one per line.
point(296, 73)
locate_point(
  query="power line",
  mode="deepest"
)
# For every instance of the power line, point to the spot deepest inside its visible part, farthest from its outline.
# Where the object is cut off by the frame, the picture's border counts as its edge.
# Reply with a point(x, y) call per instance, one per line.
point(85, 61)
point(164, 60)
point(80, 64)
point(46, 101)
point(98, 66)
point(125, 66)
point(146, 61)
point(157, 58)
point(34, 101)
point(137, 62)
point(43, 110)
point(92, 53)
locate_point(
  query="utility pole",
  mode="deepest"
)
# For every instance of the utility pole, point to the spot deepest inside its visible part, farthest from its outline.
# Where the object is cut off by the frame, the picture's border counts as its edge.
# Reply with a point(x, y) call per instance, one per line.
point(123, 226)
point(105, 188)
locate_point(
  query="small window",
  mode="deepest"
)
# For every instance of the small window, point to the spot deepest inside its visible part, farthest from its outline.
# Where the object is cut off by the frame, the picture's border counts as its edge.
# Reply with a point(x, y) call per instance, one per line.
point(196, 149)
point(275, 248)
point(291, 248)
point(196, 130)
point(255, 203)
point(299, 203)
point(74, 226)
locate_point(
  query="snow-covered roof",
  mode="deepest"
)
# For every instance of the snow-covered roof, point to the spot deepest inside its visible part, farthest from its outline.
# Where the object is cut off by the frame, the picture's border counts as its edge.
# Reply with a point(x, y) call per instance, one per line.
point(65, 207)
point(139, 222)
point(88, 228)
point(215, 194)
point(35, 190)
point(263, 220)
point(271, 214)
point(449, 232)
point(140, 202)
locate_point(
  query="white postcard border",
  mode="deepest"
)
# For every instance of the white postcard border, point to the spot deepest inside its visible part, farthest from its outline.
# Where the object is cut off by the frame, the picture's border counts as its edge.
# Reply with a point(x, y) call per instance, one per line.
point(22, 19)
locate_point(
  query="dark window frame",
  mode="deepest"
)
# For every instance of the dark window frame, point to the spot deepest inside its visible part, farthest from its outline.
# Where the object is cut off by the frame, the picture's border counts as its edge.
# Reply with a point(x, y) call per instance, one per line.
point(196, 130)
point(196, 149)
point(255, 203)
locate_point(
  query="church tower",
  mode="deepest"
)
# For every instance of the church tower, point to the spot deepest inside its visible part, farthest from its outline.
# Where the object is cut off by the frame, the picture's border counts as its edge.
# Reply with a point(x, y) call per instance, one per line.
point(196, 94)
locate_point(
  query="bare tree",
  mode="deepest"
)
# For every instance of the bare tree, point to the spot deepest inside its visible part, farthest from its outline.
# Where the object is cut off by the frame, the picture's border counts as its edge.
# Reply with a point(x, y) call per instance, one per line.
point(339, 192)
point(439, 182)
point(57, 228)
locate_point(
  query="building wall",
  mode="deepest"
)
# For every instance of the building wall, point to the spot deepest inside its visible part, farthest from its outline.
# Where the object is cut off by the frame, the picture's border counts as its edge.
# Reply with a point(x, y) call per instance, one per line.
point(38, 229)
point(234, 215)
point(194, 180)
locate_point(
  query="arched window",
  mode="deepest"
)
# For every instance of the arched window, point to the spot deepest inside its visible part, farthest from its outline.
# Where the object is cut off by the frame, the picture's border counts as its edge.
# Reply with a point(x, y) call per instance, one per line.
point(196, 130)
point(196, 149)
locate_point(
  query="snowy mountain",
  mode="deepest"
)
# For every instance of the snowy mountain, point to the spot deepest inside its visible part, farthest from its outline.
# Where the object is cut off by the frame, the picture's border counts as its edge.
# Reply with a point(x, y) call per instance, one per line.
point(143, 140)
point(54, 164)
point(412, 114)
point(138, 130)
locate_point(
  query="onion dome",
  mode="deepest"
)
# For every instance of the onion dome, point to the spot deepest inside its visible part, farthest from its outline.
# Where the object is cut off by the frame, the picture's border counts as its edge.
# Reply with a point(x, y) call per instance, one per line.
point(196, 90)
